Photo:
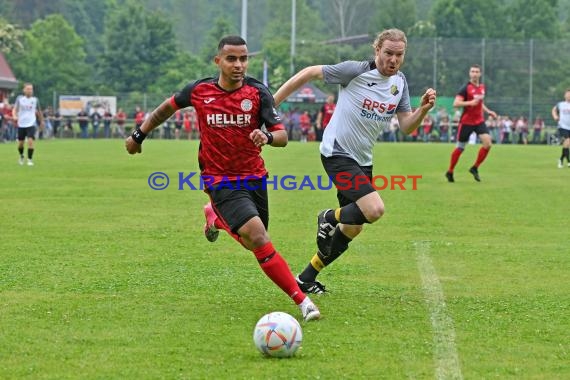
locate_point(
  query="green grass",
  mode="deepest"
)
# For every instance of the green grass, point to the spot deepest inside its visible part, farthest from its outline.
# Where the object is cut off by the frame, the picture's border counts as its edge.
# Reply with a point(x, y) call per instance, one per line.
point(103, 278)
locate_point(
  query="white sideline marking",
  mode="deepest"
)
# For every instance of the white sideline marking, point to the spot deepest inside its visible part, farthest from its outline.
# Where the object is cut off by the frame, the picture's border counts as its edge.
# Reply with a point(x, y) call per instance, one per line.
point(445, 352)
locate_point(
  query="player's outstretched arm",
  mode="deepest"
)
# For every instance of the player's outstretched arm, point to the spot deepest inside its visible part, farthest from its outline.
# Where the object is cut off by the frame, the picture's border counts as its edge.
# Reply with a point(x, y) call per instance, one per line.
point(409, 121)
point(307, 74)
point(133, 143)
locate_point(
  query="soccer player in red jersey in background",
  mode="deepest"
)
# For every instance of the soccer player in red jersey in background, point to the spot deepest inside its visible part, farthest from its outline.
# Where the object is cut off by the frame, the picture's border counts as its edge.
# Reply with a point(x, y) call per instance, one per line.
point(325, 115)
point(470, 97)
point(231, 109)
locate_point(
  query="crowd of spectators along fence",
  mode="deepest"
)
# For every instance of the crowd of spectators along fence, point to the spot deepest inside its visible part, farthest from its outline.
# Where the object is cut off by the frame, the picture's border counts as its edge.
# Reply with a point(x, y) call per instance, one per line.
point(437, 126)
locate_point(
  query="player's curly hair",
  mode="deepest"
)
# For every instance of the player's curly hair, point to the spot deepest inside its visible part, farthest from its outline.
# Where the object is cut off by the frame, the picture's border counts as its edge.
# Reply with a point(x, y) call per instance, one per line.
point(389, 35)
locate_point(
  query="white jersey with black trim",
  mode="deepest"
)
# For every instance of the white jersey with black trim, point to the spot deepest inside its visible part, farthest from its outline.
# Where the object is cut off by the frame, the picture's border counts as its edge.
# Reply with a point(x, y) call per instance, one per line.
point(26, 108)
point(564, 115)
point(366, 103)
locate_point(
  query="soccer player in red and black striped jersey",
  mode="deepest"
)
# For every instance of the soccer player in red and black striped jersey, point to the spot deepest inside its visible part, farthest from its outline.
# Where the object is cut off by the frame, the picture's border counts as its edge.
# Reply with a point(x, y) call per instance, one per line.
point(231, 110)
point(470, 97)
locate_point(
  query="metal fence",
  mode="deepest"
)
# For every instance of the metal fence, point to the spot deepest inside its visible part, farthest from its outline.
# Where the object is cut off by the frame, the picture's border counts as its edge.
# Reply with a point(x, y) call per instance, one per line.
point(523, 78)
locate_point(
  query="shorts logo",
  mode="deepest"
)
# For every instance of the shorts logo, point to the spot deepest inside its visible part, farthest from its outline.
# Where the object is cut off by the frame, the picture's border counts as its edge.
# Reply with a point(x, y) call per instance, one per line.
point(246, 105)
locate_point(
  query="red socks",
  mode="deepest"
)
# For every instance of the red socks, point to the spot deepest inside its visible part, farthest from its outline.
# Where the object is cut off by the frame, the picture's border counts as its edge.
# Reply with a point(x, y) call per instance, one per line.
point(276, 268)
point(483, 152)
point(454, 158)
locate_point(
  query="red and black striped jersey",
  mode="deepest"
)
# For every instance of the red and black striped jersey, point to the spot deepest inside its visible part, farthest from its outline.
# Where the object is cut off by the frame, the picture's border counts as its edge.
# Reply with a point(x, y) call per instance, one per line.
point(472, 115)
point(226, 118)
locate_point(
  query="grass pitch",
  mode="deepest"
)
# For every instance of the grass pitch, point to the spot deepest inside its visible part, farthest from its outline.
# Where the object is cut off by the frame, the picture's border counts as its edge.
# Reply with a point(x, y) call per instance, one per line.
point(103, 278)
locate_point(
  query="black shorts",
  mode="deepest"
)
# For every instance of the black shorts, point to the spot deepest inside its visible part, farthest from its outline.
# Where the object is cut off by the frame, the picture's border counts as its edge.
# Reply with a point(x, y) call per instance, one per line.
point(352, 181)
point(178, 126)
point(465, 131)
point(237, 206)
point(29, 132)
point(564, 133)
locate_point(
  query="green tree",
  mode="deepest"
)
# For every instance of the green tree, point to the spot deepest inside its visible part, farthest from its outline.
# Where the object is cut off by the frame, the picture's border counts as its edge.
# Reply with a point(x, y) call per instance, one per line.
point(53, 58)
point(88, 20)
point(178, 72)
point(527, 22)
point(136, 44)
point(26, 12)
point(222, 27)
point(10, 37)
point(404, 19)
point(474, 18)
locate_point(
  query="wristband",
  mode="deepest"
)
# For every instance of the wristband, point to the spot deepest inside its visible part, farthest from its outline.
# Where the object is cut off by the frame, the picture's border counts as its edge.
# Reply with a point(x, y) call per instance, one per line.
point(138, 136)
point(269, 137)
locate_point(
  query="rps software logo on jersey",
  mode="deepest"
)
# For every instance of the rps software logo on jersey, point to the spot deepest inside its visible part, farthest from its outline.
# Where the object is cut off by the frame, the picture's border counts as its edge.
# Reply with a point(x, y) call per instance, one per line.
point(377, 111)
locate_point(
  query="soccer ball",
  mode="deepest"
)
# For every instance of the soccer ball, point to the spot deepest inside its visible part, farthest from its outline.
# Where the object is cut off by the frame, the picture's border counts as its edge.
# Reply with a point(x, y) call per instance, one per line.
point(278, 335)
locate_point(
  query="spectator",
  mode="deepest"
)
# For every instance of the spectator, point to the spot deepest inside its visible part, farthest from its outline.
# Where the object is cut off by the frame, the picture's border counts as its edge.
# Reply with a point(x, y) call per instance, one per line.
point(506, 130)
point(519, 126)
point(444, 128)
point(121, 118)
point(7, 121)
point(394, 129)
point(537, 128)
point(139, 116)
point(414, 134)
point(107, 119)
point(194, 124)
point(427, 127)
point(56, 122)
point(305, 124)
point(178, 122)
point(166, 128)
point(83, 120)
point(2, 127)
point(187, 126)
point(294, 124)
point(95, 122)
point(455, 123)
point(492, 126)
point(68, 126)
point(46, 131)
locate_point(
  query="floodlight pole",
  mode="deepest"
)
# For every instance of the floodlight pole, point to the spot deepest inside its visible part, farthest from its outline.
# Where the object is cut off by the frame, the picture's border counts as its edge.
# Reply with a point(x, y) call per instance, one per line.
point(293, 27)
point(244, 19)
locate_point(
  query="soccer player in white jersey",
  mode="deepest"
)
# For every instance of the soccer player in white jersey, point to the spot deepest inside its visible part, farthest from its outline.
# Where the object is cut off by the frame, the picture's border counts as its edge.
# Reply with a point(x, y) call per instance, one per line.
point(561, 113)
point(26, 114)
point(371, 92)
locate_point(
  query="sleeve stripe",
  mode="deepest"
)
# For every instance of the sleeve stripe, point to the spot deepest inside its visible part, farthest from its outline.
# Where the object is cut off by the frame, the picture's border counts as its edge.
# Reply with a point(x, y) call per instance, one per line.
point(173, 103)
point(276, 127)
